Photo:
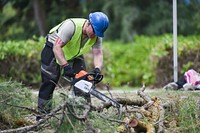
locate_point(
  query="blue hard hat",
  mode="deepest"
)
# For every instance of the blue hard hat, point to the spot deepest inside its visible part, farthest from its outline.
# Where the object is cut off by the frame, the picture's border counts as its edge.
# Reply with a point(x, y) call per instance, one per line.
point(99, 23)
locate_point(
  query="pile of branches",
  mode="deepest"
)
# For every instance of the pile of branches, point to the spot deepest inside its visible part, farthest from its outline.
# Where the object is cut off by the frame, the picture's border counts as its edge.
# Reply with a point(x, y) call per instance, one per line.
point(144, 115)
point(147, 118)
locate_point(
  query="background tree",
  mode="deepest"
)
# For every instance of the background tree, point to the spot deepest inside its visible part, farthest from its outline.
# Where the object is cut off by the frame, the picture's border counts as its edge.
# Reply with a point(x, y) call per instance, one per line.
point(39, 15)
point(127, 18)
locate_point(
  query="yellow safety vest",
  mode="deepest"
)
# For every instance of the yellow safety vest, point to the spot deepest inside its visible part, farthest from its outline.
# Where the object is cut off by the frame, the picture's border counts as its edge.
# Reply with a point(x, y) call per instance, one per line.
point(74, 48)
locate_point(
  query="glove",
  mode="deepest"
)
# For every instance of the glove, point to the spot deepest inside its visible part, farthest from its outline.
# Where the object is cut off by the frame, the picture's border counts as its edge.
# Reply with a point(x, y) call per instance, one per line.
point(97, 76)
point(96, 71)
point(68, 71)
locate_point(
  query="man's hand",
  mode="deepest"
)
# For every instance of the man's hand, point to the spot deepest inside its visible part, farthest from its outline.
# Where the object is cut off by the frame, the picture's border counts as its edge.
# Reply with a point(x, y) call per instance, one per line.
point(96, 71)
point(98, 76)
point(68, 71)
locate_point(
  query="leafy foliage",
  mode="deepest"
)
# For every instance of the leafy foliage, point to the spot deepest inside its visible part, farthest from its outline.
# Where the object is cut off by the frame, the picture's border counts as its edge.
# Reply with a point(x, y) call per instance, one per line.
point(12, 94)
point(188, 58)
point(140, 61)
point(132, 63)
point(27, 48)
point(127, 18)
point(21, 60)
point(147, 60)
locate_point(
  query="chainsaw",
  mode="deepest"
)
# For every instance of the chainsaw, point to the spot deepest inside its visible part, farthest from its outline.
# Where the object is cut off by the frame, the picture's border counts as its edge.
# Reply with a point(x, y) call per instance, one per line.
point(86, 82)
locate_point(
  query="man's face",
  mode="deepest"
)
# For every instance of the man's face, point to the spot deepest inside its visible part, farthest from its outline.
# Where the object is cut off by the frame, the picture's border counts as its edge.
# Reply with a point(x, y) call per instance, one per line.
point(90, 31)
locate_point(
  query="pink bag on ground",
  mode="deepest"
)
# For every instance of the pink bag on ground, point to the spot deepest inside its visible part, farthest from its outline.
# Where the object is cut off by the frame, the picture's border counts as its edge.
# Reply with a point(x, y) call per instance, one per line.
point(192, 77)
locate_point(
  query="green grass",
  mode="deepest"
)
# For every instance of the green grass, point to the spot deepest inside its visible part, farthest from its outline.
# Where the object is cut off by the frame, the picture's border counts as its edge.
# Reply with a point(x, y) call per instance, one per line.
point(185, 110)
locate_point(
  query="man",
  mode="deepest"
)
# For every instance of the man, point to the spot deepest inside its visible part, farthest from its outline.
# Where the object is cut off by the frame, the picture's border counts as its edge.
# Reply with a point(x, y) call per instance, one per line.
point(64, 48)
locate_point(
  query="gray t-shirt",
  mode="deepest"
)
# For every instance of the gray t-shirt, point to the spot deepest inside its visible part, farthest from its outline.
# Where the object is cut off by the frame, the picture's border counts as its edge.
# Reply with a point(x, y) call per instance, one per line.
point(65, 33)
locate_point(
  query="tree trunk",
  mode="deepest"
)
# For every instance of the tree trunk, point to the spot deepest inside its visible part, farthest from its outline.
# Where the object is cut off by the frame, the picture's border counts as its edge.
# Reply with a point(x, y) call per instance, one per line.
point(39, 14)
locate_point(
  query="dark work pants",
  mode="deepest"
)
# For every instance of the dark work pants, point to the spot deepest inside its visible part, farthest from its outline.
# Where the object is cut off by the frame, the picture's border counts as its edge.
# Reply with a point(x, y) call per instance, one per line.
point(50, 73)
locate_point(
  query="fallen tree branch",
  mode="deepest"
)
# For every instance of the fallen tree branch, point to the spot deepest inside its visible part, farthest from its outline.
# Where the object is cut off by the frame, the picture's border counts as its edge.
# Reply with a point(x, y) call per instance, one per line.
point(143, 95)
point(154, 105)
point(79, 117)
point(3, 101)
point(161, 119)
point(26, 108)
point(36, 125)
point(112, 120)
point(61, 120)
point(152, 114)
point(69, 120)
point(140, 126)
point(122, 101)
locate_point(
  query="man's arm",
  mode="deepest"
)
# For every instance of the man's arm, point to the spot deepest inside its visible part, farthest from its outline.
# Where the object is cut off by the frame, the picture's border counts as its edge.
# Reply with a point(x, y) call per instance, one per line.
point(57, 49)
point(98, 57)
point(60, 38)
point(58, 52)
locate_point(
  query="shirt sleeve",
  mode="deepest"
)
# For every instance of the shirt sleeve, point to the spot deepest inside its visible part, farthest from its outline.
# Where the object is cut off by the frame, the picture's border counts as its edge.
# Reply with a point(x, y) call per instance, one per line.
point(66, 31)
point(98, 43)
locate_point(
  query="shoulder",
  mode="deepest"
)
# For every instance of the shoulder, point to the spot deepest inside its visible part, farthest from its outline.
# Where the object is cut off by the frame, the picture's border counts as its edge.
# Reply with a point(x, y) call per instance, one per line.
point(67, 24)
point(66, 31)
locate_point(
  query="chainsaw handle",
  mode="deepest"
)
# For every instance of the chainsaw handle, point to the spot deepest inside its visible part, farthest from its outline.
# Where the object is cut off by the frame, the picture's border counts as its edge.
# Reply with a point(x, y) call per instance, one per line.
point(91, 76)
point(98, 78)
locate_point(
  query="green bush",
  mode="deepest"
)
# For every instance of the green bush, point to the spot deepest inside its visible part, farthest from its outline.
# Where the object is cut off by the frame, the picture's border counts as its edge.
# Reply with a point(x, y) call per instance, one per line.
point(20, 60)
point(139, 62)
point(188, 58)
point(28, 48)
point(132, 63)
point(145, 60)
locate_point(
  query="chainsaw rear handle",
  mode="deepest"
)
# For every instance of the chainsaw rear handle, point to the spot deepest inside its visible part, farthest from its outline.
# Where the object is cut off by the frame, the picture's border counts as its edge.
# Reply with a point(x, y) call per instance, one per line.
point(91, 76)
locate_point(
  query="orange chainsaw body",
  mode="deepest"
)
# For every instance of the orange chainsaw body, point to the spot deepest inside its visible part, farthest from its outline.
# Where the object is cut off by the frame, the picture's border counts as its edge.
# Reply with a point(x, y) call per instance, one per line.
point(82, 73)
